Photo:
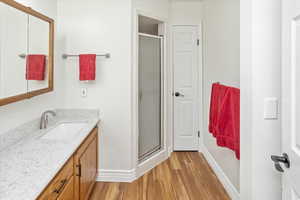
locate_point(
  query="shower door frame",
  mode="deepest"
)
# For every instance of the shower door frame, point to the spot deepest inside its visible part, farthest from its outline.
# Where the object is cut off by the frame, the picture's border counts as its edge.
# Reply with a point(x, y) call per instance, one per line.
point(140, 168)
point(156, 149)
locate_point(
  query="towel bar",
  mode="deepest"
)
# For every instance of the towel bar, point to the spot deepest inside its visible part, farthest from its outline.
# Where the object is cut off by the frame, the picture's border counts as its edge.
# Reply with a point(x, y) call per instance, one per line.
point(65, 56)
point(23, 55)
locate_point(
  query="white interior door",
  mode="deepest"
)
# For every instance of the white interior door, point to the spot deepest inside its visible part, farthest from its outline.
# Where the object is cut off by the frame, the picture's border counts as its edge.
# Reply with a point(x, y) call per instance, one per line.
point(291, 98)
point(186, 110)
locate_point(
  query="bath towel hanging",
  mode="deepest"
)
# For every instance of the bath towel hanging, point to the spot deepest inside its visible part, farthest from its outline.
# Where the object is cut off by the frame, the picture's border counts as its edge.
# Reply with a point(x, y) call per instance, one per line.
point(87, 67)
point(35, 67)
point(228, 128)
point(224, 119)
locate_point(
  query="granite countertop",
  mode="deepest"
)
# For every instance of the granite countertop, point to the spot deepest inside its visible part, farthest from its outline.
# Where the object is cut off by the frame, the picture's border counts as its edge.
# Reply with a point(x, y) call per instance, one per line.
point(28, 163)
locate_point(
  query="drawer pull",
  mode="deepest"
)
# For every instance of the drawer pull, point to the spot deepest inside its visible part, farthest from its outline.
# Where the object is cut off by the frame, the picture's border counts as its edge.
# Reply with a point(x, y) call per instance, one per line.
point(62, 184)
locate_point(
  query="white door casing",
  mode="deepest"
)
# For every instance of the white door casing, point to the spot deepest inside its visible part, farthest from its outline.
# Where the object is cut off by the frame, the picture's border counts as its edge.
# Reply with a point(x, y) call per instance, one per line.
point(186, 110)
point(291, 97)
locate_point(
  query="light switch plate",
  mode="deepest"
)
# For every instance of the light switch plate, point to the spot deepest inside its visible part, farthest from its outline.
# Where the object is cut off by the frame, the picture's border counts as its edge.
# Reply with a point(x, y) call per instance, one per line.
point(271, 108)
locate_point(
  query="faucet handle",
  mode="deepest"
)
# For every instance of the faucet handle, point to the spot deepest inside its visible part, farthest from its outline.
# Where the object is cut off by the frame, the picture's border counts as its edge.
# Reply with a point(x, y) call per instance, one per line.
point(46, 119)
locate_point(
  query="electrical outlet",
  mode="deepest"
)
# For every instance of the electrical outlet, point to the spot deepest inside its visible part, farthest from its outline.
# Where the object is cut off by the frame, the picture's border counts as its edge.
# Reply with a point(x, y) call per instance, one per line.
point(83, 92)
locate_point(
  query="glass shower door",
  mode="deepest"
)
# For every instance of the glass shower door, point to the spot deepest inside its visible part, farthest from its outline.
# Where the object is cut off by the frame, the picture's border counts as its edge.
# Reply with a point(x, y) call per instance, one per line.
point(150, 95)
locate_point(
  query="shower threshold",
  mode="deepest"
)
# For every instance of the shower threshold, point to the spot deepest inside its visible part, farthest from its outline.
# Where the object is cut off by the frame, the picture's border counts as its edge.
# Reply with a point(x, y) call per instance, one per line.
point(149, 153)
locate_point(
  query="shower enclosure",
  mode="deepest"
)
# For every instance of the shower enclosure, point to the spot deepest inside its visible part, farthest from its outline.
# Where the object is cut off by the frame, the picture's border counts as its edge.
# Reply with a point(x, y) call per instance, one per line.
point(150, 94)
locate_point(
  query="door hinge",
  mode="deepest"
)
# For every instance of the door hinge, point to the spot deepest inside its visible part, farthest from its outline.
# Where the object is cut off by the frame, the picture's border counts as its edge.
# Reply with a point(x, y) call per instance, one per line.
point(198, 134)
point(79, 170)
point(198, 42)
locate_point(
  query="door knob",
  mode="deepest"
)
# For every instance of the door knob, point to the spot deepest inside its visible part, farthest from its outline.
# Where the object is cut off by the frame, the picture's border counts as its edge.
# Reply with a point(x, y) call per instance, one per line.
point(23, 55)
point(178, 94)
point(281, 159)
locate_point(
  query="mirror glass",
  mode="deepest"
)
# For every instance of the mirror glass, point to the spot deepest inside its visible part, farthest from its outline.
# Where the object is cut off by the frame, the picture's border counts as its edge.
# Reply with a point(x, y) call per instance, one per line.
point(38, 44)
point(26, 52)
point(13, 40)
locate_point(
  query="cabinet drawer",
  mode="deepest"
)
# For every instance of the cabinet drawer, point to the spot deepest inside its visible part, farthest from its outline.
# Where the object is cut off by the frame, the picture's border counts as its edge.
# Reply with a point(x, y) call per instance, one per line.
point(68, 192)
point(60, 181)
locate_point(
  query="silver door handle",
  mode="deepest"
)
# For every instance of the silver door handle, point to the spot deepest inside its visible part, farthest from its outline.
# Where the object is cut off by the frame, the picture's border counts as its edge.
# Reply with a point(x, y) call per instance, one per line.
point(23, 55)
point(178, 94)
point(281, 159)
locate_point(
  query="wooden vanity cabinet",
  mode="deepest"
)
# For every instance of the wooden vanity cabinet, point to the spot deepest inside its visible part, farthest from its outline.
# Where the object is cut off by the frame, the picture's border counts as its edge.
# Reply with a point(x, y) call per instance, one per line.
point(76, 179)
point(86, 167)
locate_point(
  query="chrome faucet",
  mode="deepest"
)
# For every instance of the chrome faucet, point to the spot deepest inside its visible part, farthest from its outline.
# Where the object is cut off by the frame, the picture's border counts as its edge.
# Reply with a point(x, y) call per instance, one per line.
point(45, 118)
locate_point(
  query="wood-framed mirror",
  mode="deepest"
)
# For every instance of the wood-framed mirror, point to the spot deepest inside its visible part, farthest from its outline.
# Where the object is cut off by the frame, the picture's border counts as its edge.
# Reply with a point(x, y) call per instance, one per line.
point(26, 52)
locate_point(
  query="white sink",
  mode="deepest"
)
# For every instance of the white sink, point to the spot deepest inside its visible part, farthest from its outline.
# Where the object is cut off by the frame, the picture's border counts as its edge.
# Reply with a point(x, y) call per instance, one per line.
point(64, 131)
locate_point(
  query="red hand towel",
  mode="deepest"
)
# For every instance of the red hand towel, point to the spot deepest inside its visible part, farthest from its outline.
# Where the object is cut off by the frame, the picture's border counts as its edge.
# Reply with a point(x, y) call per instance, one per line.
point(87, 67)
point(217, 97)
point(35, 67)
point(228, 128)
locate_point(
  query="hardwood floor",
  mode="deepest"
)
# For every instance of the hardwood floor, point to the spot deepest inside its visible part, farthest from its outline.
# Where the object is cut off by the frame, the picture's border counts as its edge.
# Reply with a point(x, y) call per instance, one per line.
point(185, 176)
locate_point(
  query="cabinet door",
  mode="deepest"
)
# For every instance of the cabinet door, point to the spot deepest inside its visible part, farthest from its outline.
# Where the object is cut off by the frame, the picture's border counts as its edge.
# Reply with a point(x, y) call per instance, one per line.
point(86, 164)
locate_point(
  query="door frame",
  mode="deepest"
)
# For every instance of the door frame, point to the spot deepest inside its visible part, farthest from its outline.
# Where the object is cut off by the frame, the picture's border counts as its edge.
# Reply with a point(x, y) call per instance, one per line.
point(162, 114)
point(141, 168)
point(260, 33)
point(199, 81)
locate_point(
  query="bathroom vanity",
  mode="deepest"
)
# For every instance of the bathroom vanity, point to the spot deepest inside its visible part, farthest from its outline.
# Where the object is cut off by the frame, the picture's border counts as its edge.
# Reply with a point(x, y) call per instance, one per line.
point(59, 162)
point(77, 177)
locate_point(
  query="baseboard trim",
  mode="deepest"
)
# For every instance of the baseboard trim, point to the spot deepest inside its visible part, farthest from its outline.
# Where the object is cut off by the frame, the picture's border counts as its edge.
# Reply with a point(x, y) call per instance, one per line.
point(170, 150)
point(152, 162)
point(127, 176)
point(229, 187)
point(200, 146)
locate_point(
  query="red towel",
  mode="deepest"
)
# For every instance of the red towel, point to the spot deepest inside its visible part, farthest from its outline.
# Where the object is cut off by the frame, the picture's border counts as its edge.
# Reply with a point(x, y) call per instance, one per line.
point(228, 128)
point(224, 118)
point(217, 97)
point(87, 64)
point(35, 67)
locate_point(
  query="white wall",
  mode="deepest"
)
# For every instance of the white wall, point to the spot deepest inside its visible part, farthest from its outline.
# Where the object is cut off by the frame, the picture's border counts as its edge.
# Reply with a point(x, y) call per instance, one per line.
point(186, 12)
point(100, 26)
point(18, 113)
point(221, 64)
point(261, 78)
point(158, 8)
point(106, 27)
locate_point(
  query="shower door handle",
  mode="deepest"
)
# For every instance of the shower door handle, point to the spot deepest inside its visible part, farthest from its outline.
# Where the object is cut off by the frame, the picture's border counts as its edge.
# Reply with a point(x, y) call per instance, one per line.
point(140, 95)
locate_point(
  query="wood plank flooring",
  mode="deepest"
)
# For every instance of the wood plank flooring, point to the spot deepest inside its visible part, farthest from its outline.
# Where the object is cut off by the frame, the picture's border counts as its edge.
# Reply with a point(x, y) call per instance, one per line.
point(185, 176)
